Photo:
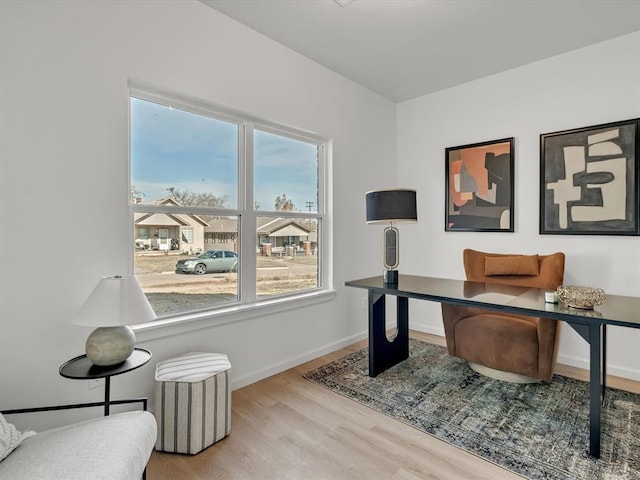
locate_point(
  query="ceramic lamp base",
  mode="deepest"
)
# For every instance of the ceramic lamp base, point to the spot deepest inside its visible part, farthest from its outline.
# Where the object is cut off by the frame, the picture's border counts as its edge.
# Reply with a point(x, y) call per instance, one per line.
point(110, 345)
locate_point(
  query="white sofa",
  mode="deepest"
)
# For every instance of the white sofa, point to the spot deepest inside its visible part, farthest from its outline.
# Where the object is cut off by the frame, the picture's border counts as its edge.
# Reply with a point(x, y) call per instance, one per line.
point(116, 447)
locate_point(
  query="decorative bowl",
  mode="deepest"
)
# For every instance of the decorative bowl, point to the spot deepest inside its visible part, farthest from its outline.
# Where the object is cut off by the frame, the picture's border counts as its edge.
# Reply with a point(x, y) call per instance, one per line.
point(580, 297)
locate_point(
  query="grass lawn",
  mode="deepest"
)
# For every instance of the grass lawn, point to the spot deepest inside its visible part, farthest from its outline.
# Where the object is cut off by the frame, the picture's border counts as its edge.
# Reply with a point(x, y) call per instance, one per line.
point(170, 293)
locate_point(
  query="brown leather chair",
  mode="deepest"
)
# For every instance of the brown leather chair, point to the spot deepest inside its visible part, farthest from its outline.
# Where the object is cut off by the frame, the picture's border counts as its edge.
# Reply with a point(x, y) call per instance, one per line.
point(495, 342)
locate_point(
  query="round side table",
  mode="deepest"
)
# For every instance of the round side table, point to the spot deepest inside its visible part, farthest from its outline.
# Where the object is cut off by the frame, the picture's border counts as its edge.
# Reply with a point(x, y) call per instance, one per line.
point(81, 368)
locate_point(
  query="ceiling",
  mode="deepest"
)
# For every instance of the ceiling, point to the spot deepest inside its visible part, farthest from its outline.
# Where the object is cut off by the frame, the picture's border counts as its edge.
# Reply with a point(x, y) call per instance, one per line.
point(404, 49)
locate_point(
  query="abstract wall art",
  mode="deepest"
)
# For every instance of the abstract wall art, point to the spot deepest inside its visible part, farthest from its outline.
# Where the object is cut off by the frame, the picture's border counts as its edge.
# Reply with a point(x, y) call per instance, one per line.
point(479, 187)
point(589, 180)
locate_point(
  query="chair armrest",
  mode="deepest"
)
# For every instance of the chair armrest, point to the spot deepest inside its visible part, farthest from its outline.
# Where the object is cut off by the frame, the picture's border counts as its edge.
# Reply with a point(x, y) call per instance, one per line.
point(452, 314)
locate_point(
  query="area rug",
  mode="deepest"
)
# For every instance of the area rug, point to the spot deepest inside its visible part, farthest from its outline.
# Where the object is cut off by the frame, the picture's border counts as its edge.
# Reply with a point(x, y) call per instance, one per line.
point(539, 431)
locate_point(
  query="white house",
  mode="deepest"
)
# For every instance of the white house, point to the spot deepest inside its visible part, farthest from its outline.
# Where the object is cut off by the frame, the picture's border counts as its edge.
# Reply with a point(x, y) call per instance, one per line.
point(169, 231)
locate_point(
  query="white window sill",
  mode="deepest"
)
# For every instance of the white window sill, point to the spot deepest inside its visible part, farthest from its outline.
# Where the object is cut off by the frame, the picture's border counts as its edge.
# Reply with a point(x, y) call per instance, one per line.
point(197, 321)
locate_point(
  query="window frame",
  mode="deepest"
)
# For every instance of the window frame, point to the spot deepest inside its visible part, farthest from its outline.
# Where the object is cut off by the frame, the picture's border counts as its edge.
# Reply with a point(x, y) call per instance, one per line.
point(248, 305)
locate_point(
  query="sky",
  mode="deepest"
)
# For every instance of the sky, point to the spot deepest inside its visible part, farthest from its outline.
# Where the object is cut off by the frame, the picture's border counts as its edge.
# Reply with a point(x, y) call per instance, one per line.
point(171, 147)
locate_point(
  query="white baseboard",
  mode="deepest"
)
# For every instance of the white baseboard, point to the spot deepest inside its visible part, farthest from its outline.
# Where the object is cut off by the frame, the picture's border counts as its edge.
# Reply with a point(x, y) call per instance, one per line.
point(573, 361)
point(615, 370)
point(291, 362)
point(438, 331)
point(569, 360)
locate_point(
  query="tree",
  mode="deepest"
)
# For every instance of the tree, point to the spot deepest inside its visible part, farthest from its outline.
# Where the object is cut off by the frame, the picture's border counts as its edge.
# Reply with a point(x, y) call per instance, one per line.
point(284, 204)
point(200, 199)
point(136, 195)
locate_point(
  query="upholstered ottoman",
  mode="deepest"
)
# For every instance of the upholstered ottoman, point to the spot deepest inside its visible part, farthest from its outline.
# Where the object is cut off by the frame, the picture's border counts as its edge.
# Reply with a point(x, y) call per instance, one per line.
point(193, 402)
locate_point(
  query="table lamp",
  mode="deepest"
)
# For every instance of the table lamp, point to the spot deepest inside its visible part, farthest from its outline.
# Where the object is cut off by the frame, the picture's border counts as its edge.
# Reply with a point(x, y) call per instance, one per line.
point(114, 304)
point(389, 206)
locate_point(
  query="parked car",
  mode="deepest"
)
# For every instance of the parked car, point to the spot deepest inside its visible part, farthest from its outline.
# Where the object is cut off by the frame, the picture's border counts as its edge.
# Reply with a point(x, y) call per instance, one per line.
point(209, 261)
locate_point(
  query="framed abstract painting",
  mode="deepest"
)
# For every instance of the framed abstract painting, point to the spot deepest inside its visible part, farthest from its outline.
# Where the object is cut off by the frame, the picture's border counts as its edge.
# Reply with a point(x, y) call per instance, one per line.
point(589, 180)
point(479, 187)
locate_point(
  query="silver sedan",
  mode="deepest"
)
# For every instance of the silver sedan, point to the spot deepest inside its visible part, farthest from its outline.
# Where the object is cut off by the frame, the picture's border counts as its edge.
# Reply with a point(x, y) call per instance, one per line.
point(209, 261)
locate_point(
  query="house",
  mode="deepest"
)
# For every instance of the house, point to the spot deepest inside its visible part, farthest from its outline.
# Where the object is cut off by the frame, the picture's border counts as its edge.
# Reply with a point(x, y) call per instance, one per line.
point(281, 233)
point(221, 231)
point(67, 70)
point(164, 232)
point(278, 233)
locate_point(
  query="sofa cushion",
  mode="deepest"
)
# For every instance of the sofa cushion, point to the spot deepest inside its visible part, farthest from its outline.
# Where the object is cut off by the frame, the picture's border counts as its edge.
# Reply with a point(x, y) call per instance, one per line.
point(106, 448)
point(511, 265)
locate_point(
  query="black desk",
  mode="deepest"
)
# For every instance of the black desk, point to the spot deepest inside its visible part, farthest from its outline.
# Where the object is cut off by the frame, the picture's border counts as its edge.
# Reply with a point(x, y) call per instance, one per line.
point(590, 324)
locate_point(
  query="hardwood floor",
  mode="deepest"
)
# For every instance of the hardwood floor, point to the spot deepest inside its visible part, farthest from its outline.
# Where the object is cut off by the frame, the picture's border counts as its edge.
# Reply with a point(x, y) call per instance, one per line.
point(288, 428)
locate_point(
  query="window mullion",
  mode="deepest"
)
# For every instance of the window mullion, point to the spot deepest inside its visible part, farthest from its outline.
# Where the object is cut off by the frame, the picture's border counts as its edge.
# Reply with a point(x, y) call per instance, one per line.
point(248, 276)
point(325, 233)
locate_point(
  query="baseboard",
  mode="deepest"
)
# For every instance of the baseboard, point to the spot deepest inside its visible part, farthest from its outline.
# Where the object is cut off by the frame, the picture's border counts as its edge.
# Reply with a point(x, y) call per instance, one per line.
point(572, 361)
point(615, 370)
point(295, 361)
point(439, 331)
point(291, 362)
point(568, 360)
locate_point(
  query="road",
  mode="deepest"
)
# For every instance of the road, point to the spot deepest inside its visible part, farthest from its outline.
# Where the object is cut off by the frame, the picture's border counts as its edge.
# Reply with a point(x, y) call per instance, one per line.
point(288, 269)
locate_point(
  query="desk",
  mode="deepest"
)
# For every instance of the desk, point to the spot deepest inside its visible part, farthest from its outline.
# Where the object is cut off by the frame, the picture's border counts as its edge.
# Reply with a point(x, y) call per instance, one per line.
point(590, 324)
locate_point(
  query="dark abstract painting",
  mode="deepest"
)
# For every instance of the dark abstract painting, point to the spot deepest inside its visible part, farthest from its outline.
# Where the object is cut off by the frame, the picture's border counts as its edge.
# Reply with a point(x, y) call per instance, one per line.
point(479, 188)
point(589, 180)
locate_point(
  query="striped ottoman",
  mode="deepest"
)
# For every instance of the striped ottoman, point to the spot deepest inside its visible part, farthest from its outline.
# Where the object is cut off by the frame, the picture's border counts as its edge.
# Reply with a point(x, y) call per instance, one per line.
point(193, 402)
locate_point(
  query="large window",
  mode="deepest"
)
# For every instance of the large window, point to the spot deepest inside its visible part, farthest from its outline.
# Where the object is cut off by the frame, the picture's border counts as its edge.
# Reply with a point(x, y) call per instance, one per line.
point(225, 210)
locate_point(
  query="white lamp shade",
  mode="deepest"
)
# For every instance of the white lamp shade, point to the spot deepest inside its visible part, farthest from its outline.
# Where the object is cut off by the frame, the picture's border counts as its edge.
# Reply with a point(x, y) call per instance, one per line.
point(115, 301)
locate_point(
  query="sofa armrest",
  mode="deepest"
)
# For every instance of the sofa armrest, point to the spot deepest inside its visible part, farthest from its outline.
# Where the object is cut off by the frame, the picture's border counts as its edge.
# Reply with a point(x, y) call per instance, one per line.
point(116, 447)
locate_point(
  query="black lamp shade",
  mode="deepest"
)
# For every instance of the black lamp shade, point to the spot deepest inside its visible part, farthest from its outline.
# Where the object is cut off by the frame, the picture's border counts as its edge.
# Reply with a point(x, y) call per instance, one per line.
point(394, 205)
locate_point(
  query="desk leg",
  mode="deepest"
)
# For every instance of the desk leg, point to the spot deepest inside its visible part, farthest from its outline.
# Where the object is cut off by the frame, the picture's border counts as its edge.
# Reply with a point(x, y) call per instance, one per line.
point(604, 360)
point(383, 353)
point(107, 395)
point(596, 387)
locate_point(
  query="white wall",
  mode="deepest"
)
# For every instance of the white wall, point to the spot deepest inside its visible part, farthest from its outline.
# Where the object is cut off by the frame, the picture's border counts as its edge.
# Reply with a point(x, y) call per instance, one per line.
point(65, 66)
point(590, 86)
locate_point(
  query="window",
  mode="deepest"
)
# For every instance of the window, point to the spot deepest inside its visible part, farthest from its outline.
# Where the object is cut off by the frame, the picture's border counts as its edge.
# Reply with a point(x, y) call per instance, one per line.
point(187, 234)
point(225, 210)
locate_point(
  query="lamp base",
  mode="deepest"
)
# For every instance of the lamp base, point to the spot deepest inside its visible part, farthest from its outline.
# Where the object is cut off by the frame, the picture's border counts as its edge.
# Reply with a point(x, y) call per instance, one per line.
point(108, 346)
point(390, 277)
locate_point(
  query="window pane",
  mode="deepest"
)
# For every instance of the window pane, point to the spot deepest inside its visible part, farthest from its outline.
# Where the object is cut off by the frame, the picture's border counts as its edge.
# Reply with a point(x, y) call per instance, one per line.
point(286, 173)
point(182, 155)
point(287, 255)
point(188, 263)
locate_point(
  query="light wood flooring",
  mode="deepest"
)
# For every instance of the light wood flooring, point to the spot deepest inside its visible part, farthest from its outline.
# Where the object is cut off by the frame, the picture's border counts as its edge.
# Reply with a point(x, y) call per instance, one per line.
point(287, 428)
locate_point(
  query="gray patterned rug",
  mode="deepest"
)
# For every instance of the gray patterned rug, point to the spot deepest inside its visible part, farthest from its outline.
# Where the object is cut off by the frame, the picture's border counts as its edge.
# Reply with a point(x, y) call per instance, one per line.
point(538, 431)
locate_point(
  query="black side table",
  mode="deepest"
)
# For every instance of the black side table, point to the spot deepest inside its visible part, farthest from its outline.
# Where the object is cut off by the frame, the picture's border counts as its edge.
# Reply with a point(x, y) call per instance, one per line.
point(81, 368)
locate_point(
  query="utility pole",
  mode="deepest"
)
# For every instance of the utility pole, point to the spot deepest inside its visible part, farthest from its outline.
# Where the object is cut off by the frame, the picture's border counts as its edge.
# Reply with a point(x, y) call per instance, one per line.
point(309, 205)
